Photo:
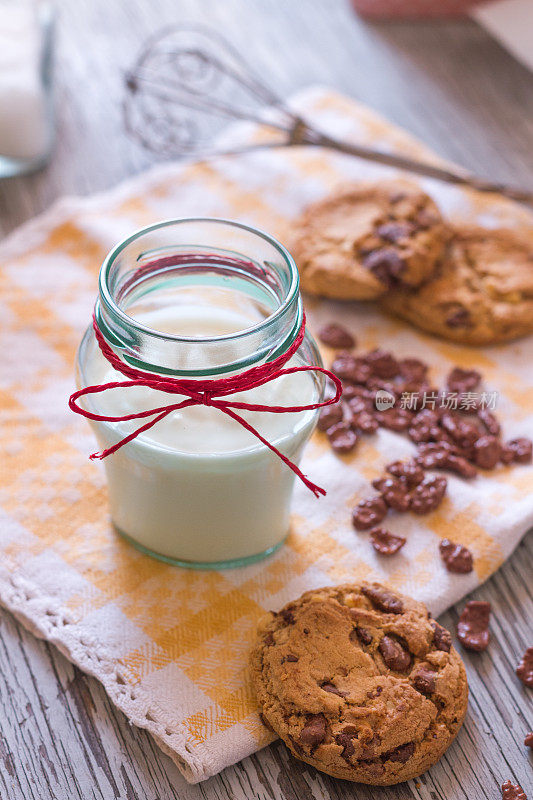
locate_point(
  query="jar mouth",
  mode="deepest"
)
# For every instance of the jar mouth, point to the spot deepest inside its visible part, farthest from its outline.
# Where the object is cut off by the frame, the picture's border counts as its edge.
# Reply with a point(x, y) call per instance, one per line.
point(211, 254)
point(106, 292)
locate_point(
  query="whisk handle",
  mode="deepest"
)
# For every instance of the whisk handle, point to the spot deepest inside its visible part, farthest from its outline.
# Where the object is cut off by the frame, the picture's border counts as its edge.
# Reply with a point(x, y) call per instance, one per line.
point(454, 176)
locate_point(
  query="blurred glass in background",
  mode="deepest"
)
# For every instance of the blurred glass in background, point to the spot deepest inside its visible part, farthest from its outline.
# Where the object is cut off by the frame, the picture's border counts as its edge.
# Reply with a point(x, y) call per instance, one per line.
point(26, 107)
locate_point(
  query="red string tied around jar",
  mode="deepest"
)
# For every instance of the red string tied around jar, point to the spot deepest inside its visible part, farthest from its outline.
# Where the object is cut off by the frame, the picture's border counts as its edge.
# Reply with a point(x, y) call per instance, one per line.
point(204, 392)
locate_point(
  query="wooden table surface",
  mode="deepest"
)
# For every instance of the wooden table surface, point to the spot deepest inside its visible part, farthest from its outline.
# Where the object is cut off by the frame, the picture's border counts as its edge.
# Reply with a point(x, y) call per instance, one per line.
point(454, 87)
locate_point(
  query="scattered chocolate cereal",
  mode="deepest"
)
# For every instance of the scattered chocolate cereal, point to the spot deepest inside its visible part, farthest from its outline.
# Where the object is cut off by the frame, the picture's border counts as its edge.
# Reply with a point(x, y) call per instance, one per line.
point(512, 791)
point(409, 471)
point(336, 336)
point(428, 495)
point(463, 380)
point(395, 492)
point(342, 438)
point(487, 451)
point(517, 451)
point(329, 416)
point(456, 557)
point(524, 669)
point(369, 513)
point(384, 542)
point(528, 741)
point(473, 626)
point(462, 436)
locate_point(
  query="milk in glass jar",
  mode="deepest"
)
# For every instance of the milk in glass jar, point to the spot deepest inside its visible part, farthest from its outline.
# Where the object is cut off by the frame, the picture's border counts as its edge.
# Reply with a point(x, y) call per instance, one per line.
point(207, 303)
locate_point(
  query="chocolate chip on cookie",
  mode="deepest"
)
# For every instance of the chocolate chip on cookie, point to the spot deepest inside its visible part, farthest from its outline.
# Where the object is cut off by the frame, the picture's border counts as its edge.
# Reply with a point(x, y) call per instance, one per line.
point(395, 654)
point(441, 637)
point(314, 730)
point(382, 598)
point(423, 678)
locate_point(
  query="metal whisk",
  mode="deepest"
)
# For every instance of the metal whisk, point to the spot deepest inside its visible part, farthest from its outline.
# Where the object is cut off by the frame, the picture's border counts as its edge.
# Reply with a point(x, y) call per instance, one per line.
point(188, 80)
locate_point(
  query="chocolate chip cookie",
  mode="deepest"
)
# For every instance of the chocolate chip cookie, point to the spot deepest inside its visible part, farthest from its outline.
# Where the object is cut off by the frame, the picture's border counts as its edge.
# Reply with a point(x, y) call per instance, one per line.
point(365, 238)
point(360, 682)
point(482, 293)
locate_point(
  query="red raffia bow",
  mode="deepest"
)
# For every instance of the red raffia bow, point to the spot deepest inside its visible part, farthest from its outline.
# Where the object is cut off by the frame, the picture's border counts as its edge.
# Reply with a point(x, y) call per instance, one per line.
point(204, 392)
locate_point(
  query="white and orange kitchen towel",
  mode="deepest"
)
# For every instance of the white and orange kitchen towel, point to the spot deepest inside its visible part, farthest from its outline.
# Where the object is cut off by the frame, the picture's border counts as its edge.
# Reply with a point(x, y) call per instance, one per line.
point(170, 645)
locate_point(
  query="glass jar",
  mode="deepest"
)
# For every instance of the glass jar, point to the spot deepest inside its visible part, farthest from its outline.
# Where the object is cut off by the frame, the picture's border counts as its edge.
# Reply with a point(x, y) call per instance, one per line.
point(201, 299)
point(26, 103)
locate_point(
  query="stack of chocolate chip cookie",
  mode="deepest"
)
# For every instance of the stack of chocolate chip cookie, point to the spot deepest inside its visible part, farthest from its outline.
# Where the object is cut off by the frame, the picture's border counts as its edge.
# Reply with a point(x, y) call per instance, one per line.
point(389, 242)
point(360, 682)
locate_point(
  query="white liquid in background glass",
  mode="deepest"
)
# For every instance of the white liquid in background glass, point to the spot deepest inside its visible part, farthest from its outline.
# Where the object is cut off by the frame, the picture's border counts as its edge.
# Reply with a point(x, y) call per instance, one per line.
point(23, 119)
point(197, 486)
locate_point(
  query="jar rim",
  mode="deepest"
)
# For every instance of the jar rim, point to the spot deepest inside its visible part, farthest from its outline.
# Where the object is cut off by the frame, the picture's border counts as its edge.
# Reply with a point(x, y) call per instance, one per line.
point(106, 296)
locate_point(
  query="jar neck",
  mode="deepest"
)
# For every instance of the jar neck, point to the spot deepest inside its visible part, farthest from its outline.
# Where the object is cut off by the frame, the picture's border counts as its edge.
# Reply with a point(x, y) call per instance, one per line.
point(175, 270)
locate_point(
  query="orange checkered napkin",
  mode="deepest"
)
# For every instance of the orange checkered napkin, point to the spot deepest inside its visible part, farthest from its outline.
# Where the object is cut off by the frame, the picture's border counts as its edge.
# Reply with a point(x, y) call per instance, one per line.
point(170, 645)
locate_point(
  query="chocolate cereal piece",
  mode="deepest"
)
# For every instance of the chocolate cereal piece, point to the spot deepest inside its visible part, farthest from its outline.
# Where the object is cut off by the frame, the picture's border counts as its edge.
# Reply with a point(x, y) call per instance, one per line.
point(336, 336)
point(461, 466)
point(517, 451)
point(425, 426)
point(386, 543)
point(364, 422)
point(382, 363)
point(524, 669)
point(489, 421)
point(487, 452)
point(528, 741)
point(428, 495)
point(368, 513)
point(456, 557)
point(409, 471)
point(463, 380)
point(329, 416)
point(413, 370)
point(351, 369)
point(473, 626)
point(512, 791)
point(395, 492)
point(342, 438)
point(395, 419)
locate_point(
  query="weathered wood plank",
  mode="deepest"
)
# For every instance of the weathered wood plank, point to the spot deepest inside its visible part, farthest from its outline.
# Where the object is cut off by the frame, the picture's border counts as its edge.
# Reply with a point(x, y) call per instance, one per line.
point(451, 85)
